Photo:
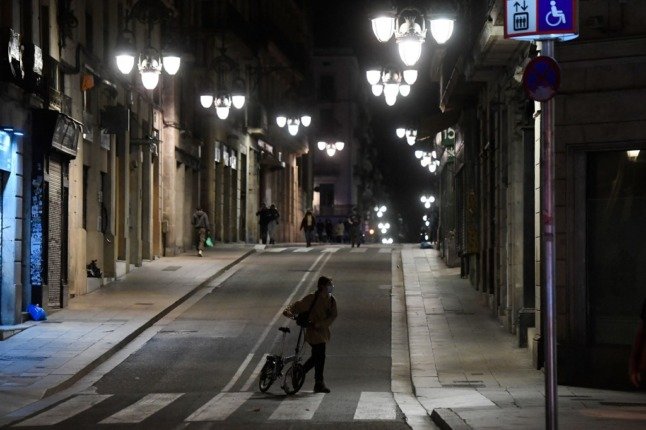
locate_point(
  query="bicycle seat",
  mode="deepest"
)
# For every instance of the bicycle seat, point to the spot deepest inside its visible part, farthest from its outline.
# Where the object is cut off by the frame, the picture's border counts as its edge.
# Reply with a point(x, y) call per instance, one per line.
point(284, 329)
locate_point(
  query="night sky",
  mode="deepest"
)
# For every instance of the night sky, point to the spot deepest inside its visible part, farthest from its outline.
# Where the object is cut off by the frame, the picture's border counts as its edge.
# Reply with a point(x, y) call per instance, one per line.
point(404, 178)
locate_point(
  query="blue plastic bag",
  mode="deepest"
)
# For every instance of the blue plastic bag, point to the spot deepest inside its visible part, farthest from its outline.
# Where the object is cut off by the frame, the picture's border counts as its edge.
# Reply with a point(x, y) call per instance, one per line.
point(37, 313)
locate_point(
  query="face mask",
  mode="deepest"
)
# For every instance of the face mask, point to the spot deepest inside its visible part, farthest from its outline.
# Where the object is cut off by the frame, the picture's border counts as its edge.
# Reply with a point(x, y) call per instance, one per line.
point(330, 289)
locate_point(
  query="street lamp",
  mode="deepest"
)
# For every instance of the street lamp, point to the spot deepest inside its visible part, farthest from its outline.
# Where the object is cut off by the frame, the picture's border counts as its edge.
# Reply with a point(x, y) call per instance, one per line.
point(150, 61)
point(230, 88)
point(293, 122)
point(409, 133)
point(391, 82)
point(427, 200)
point(409, 28)
point(330, 148)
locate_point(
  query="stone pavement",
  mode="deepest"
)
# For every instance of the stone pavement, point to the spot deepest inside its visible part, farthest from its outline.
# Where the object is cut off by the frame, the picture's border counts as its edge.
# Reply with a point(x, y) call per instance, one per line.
point(51, 355)
point(468, 373)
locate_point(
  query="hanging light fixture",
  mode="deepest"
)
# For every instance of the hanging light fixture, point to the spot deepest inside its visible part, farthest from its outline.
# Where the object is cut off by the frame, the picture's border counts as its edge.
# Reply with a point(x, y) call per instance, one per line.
point(293, 122)
point(390, 82)
point(150, 61)
point(409, 28)
point(410, 134)
point(230, 87)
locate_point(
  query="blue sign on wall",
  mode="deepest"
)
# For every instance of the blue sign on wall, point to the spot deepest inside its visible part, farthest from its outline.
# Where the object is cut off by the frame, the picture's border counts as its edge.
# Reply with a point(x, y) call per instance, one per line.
point(541, 19)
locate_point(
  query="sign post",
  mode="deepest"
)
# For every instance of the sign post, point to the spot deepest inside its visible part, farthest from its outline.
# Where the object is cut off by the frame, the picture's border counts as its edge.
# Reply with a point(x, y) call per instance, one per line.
point(545, 21)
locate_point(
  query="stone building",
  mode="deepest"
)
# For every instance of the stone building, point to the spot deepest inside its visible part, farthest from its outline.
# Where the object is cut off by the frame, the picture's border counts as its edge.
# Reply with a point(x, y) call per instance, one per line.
point(95, 167)
point(492, 179)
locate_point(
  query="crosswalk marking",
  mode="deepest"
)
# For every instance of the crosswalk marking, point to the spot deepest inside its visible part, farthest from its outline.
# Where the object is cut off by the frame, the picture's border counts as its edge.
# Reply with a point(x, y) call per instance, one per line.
point(65, 410)
point(219, 407)
point(300, 407)
point(145, 407)
point(385, 250)
point(303, 249)
point(330, 249)
point(376, 406)
point(361, 250)
point(275, 249)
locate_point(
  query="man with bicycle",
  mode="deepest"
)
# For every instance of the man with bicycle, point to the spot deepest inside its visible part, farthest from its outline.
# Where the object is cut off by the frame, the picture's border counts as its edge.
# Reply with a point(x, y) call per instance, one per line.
point(321, 309)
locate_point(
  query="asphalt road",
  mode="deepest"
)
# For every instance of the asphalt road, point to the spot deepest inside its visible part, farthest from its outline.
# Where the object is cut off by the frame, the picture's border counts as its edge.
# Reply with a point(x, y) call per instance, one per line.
point(200, 371)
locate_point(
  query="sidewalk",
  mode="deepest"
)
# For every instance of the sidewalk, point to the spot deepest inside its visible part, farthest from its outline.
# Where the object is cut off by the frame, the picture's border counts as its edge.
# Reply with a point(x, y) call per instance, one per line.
point(51, 355)
point(468, 373)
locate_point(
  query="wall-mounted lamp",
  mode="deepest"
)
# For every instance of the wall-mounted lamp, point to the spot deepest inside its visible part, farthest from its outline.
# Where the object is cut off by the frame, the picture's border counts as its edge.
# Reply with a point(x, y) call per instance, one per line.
point(150, 61)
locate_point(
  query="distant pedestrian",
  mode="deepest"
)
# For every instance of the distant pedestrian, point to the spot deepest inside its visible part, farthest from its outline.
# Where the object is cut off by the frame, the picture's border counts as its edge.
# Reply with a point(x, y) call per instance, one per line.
point(329, 230)
point(200, 222)
point(308, 224)
point(637, 364)
point(320, 230)
point(355, 230)
point(263, 222)
point(322, 313)
point(273, 223)
point(339, 229)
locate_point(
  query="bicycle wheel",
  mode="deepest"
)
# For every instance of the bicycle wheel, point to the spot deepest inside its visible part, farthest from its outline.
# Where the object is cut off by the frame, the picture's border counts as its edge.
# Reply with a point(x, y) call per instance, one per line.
point(294, 378)
point(267, 376)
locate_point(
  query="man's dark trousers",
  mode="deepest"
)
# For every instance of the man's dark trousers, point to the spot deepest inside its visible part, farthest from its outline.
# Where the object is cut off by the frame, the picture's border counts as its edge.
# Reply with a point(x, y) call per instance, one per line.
point(317, 361)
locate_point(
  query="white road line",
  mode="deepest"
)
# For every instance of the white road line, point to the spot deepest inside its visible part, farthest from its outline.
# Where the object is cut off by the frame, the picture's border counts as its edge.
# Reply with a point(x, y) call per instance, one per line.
point(385, 250)
point(360, 250)
point(300, 407)
point(275, 249)
point(254, 374)
point(238, 373)
point(303, 249)
point(376, 406)
point(142, 409)
point(262, 337)
point(65, 410)
point(330, 250)
point(219, 407)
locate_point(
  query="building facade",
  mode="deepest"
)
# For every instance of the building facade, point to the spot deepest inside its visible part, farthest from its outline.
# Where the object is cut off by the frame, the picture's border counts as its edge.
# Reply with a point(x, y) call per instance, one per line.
point(98, 169)
point(492, 181)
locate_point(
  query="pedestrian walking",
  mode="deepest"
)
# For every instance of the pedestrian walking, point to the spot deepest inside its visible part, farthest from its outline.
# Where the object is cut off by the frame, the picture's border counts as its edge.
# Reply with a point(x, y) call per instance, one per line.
point(273, 223)
point(320, 230)
point(308, 224)
point(637, 363)
point(329, 230)
point(339, 229)
point(321, 306)
point(355, 230)
point(200, 222)
point(263, 222)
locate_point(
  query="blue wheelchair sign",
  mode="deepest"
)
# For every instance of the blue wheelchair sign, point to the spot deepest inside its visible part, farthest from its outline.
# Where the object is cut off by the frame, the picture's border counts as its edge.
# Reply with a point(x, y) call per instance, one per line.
point(541, 19)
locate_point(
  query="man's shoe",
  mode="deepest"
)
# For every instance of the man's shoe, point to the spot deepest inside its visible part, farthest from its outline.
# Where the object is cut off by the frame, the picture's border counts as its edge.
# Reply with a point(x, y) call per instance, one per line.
point(199, 253)
point(320, 387)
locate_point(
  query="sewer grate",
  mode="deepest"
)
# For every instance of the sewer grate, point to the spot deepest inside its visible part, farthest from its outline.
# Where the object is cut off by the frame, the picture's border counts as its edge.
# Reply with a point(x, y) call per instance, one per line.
point(144, 304)
point(171, 268)
point(464, 386)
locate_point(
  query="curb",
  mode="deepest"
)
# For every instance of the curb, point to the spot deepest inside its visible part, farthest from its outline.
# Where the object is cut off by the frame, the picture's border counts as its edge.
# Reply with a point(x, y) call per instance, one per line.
point(109, 353)
point(446, 419)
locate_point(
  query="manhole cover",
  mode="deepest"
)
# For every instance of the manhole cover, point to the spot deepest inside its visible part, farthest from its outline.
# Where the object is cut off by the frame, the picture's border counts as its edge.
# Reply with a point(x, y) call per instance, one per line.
point(171, 268)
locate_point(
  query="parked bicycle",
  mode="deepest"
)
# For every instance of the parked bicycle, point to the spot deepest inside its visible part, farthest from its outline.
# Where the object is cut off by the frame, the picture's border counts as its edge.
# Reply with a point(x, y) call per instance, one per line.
point(294, 377)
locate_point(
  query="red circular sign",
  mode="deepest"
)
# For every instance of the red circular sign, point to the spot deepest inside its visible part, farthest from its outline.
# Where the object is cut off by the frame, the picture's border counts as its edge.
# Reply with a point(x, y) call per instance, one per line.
point(542, 78)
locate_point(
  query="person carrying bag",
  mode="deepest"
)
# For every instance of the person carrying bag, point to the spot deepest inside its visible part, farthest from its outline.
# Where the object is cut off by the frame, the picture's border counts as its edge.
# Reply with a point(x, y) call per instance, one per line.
point(316, 312)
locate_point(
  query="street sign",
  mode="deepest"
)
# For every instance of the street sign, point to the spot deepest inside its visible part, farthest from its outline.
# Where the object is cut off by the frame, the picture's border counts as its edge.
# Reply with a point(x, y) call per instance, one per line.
point(541, 19)
point(541, 78)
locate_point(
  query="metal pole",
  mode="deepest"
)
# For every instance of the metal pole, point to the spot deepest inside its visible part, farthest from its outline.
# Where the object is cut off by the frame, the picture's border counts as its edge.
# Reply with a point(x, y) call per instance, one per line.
point(548, 257)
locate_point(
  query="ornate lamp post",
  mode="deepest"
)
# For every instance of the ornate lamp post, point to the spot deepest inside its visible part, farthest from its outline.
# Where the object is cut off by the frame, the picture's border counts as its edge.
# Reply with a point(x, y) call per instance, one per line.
point(150, 61)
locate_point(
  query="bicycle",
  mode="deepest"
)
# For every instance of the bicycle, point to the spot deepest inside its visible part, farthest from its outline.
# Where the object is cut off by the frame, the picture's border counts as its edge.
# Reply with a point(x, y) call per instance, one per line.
point(294, 377)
